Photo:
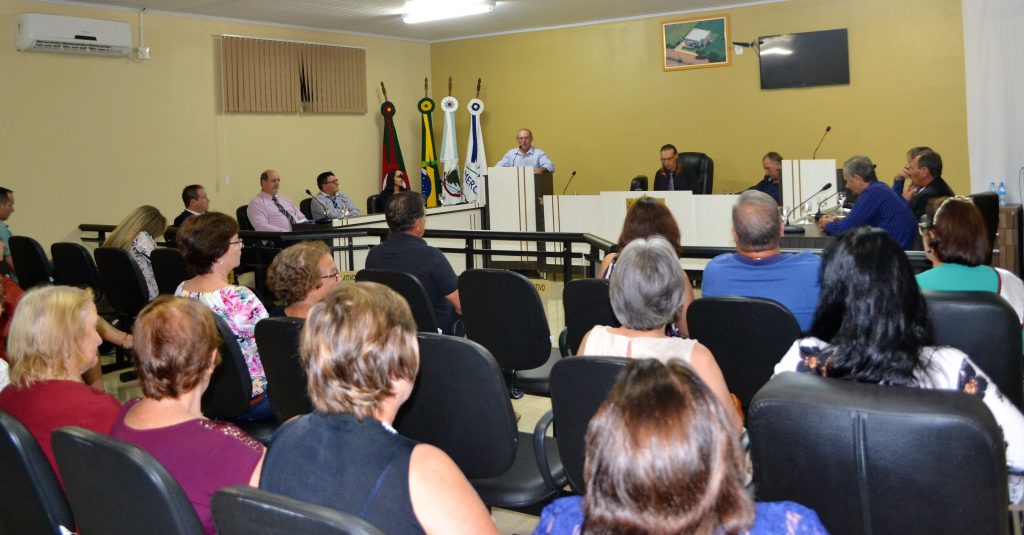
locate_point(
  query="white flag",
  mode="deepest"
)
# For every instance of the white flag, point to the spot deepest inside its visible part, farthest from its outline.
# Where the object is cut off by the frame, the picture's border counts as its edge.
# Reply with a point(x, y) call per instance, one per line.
point(476, 159)
point(451, 184)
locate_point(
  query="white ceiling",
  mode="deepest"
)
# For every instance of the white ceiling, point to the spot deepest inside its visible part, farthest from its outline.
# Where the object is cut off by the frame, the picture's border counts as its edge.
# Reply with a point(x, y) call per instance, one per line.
point(380, 17)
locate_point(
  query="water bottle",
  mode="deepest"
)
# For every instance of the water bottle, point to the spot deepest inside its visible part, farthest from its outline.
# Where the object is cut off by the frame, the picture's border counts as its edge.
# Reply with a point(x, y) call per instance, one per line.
point(992, 187)
point(1002, 193)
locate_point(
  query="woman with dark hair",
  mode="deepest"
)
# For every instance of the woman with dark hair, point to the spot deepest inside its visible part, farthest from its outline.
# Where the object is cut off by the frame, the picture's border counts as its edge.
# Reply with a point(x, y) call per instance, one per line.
point(211, 248)
point(176, 344)
point(301, 275)
point(662, 460)
point(644, 219)
point(394, 182)
point(872, 326)
point(359, 351)
point(956, 242)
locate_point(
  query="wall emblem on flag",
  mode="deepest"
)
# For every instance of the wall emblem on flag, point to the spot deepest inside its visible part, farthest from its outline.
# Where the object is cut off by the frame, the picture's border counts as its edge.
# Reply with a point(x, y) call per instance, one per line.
point(451, 192)
point(391, 152)
point(430, 177)
point(476, 158)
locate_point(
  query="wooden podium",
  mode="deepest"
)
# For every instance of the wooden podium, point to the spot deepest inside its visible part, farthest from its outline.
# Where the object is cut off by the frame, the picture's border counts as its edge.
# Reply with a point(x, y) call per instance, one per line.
point(515, 203)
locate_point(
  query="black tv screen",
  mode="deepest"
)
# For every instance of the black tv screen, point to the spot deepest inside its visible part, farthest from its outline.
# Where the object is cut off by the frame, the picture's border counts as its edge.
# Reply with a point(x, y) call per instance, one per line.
point(804, 59)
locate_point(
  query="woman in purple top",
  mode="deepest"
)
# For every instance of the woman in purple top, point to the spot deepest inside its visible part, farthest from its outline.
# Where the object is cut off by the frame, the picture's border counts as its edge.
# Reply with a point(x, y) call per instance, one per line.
point(662, 459)
point(175, 350)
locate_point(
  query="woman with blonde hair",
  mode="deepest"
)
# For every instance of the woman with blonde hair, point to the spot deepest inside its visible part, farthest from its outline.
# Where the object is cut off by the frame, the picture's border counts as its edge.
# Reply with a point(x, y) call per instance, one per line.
point(301, 276)
point(53, 341)
point(135, 234)
point(176, 344)
point(361, 357)
point(662, 459)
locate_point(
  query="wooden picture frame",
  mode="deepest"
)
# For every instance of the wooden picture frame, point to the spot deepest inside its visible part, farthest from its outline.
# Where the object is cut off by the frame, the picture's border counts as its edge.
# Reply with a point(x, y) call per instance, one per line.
point(695, 43)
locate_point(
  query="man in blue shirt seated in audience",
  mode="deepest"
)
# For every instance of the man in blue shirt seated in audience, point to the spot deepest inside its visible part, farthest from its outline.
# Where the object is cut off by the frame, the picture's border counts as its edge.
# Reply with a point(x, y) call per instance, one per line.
point(405, 250)
point(771, 183)
point(877, 205)
point(758, 268)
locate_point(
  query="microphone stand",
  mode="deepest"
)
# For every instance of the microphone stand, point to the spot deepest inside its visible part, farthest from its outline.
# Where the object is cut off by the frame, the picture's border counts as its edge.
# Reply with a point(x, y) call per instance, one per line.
point(327, 213)
point(822, 140)
point(569, 182)
point(817, 216)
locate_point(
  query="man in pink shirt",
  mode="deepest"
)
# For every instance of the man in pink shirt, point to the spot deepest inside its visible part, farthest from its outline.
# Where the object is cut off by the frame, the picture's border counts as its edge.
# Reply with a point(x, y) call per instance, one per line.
point(270, 212)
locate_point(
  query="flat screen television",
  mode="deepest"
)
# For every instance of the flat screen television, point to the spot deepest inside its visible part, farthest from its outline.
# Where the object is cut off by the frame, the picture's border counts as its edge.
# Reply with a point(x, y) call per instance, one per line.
point(804, 59)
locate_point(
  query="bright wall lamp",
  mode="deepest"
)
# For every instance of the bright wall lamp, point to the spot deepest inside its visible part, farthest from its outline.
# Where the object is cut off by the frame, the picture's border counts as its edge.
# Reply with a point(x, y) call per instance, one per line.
point(416, 11)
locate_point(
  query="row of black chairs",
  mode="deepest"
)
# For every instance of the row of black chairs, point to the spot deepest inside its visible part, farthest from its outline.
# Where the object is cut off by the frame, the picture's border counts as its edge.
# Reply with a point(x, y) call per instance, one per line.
point(141, 498)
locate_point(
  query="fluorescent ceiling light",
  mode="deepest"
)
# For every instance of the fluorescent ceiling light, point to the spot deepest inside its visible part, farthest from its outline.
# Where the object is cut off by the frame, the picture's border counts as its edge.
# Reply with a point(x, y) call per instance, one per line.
point(428, 10)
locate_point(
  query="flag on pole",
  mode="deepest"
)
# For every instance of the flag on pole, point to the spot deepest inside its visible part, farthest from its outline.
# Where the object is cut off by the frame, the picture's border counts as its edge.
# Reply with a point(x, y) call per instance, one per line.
point(451, 192)
point(391, 154)
point(430, 178)
point(476, 159)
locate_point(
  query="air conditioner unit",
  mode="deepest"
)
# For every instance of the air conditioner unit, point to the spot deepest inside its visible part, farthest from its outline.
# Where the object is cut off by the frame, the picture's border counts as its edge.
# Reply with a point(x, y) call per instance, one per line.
point(73, 35)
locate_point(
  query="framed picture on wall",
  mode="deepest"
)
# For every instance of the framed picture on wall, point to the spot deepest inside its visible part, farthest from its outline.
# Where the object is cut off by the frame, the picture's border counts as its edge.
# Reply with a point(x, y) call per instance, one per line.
point(695, 43)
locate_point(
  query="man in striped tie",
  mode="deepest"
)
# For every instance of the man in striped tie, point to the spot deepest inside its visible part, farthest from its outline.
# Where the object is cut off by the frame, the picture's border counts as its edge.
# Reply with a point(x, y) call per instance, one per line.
point(270, 212)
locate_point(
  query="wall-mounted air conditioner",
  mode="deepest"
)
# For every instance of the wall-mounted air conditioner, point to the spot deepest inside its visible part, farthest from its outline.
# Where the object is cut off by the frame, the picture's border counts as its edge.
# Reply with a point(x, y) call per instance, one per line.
point(73, 35)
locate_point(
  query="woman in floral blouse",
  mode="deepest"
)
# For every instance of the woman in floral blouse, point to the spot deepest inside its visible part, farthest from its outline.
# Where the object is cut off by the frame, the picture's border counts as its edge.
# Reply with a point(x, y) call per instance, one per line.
point(211, 248)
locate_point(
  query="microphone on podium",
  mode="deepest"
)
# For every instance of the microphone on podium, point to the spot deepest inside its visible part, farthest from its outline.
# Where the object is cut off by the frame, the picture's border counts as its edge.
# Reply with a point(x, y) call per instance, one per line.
point(572, 176)
point(822, 140)
point(327, 214)
point(793, 229)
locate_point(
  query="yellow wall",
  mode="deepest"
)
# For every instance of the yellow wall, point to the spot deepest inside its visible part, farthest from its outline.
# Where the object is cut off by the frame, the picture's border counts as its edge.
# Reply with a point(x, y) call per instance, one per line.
point(87, 139)
point(598, 101)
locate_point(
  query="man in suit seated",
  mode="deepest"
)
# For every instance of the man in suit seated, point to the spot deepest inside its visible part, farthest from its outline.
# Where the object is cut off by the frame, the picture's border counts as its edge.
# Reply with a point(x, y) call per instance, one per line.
point(927, 182)
point(771, 183)
point(759, 268)
point(673, 176)
point(196, 203)
point(405, 250)
point(270, 212)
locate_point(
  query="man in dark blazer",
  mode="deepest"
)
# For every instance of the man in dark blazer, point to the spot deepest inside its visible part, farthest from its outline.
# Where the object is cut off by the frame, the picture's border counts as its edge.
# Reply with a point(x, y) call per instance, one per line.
point(672, 176)
point(196, 202)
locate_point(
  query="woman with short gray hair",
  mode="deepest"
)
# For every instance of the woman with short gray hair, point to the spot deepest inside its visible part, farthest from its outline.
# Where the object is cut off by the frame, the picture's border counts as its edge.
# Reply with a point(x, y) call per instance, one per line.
point(646, 293)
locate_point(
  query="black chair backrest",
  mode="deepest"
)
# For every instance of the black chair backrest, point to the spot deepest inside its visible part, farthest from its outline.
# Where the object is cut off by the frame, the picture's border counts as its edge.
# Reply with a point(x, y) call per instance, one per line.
point(984, 326)
point(409, 287)
point(122, 281)
point(374, 204)
point(586, 304)
point(503, 312)
point(30, 262)
point(988, 204)
point(116, 488)
point(578, 387)
point(305, 208)
point(278, 343)
point(230, 387)
point(460, 387)
point(168, 268)
point(865, 456)
point(747, 336)
point(242, 216)
point(639, 183)
point(73, 266)
point(31, 498)
point(703, 166)
point(243, 510)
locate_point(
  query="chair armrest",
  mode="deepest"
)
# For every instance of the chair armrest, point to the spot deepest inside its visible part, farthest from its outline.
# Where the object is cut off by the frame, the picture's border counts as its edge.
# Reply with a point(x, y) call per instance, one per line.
point(540, 451)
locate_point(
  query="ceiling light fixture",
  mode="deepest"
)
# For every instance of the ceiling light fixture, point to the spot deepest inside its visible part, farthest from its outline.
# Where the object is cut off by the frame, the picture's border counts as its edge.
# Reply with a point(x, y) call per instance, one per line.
point(416, 11)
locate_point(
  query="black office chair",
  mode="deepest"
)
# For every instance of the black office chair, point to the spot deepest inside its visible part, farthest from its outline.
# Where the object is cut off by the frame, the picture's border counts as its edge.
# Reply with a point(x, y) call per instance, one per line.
point(579, 385)
point(409, 287)
point(278, 343)
point(374, 204)
point(30, 262)
point(243, 510)
point(242, 216)
point(169, 269)
point(704, 167)
point(230, 390)
point(73, 266)
point(879, 459)
point(116, 488)
point(984, 326)
point(503, 312)
point(747, 336)
point(31, 497)
point(306, 209)
point(460, 405)
point(586, 305)
point(125, 290)
point(988, 204)
point(639, 183)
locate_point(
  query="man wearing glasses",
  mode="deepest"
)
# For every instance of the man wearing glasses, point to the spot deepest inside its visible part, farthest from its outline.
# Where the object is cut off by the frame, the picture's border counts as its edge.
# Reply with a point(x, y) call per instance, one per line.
point(330, 202)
